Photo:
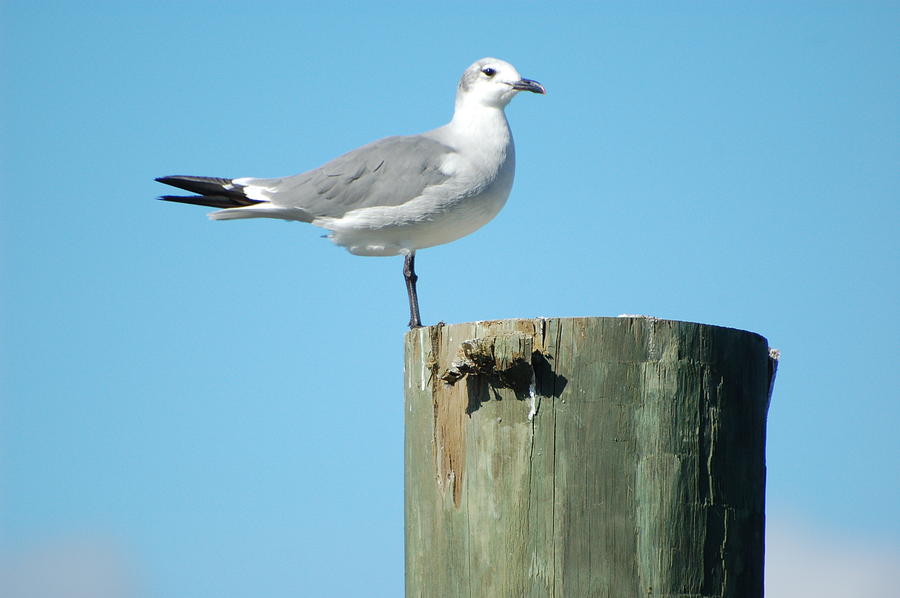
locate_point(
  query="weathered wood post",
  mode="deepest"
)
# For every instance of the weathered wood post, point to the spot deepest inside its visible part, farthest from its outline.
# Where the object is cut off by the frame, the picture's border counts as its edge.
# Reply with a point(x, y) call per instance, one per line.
point(581, 457)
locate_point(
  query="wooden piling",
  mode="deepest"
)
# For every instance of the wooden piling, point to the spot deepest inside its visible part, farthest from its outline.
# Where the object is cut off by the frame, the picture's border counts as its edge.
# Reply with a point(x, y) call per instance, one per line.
point(581, 457)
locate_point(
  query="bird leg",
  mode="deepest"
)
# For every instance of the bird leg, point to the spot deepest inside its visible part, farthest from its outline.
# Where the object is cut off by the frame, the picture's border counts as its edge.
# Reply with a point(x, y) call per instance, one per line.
point(409, 273)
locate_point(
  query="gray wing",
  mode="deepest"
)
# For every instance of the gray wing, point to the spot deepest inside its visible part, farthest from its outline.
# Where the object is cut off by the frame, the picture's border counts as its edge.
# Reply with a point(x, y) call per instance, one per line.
point(387, 172)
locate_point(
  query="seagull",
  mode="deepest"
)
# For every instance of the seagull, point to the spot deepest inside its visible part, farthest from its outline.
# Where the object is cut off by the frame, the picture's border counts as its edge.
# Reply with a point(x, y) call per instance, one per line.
point(399, 194)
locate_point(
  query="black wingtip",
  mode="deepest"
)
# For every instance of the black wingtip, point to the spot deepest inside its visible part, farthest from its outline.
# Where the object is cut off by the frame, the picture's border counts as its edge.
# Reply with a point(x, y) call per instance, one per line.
point(211, 191)
point(211, 201)
point(204, 185)
point(173, 179)
point(193, 199)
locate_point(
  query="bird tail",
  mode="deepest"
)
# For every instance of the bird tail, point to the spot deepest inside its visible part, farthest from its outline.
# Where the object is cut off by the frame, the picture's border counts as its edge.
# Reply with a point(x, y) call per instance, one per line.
point(214, 192)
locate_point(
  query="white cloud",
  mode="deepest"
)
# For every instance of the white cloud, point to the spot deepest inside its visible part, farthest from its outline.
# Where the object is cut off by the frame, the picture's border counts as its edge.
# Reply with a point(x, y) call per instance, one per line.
point(67, 568)
point(802, 562)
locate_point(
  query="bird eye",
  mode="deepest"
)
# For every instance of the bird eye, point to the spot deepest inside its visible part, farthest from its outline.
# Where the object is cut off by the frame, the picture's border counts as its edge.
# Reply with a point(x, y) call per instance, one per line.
point(488, 71)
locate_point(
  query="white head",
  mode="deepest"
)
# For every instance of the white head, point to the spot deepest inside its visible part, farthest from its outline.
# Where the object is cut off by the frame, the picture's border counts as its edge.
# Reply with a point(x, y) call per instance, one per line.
point(492, 82)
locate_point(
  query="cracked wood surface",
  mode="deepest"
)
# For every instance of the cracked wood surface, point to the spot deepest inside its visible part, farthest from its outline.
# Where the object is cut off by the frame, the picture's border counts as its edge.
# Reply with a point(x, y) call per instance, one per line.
point(629, 461)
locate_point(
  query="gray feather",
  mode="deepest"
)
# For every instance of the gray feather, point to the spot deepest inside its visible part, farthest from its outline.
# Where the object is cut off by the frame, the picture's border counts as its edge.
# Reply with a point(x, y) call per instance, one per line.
point(387, 172)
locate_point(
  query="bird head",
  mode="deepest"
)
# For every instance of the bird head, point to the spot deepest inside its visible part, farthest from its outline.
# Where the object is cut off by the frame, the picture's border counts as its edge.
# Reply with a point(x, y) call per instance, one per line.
point(493, 82)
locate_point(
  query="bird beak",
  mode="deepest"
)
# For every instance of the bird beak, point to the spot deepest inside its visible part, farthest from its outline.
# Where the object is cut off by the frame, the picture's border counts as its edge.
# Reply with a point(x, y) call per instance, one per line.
point(528, 85)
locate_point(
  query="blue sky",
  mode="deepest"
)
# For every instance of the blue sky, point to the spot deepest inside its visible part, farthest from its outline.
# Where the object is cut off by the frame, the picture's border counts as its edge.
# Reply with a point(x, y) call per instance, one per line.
point(215, 408)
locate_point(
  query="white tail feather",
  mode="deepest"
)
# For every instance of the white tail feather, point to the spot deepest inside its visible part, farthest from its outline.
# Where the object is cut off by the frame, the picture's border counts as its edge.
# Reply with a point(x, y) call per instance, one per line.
point(261, 210)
